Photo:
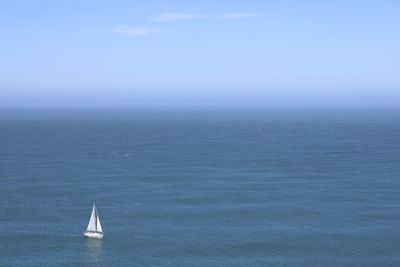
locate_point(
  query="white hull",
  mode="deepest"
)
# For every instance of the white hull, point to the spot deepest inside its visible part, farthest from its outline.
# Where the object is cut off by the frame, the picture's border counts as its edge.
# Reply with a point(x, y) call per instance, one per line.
point(93, 235)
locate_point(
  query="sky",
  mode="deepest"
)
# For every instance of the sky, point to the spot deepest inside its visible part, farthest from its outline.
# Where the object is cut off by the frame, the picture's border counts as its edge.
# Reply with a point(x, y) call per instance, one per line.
point(199, 52)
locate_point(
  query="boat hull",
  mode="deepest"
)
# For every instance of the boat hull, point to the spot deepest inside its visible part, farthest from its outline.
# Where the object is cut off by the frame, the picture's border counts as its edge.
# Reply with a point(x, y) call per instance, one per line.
point(96, 235)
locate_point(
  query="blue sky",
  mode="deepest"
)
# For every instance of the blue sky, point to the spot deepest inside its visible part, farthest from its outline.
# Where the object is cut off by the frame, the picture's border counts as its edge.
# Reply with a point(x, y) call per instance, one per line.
point(281, 51)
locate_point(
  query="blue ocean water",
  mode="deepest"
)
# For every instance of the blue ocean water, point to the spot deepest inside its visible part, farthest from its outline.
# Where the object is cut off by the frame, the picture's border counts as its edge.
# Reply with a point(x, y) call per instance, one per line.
point(200, 187)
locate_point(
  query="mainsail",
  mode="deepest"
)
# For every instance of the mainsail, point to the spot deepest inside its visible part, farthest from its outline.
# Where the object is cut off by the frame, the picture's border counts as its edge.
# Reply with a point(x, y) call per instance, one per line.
point(94, 222)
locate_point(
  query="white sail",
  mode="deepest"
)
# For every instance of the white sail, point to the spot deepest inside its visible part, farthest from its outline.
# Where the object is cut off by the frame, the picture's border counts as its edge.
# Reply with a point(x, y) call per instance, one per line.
point(92, 222)
point(99, 229)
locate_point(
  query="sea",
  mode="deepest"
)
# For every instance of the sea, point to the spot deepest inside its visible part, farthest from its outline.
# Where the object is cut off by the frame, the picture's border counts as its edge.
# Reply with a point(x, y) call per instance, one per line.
point(200, 186)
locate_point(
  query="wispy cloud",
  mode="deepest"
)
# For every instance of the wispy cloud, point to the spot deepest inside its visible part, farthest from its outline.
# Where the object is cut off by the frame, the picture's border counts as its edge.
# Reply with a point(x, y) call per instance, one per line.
point(132, 31)
point(125, 30)
point(178, 16)
point(190, 16)
point(243, 15)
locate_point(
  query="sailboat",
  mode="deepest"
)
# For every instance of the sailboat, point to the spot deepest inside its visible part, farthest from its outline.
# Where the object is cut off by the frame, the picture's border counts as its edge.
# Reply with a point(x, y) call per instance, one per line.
point(94, 229)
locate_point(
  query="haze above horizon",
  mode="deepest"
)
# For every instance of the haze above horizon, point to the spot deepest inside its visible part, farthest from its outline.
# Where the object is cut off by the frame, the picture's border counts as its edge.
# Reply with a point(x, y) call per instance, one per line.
point(205, 52)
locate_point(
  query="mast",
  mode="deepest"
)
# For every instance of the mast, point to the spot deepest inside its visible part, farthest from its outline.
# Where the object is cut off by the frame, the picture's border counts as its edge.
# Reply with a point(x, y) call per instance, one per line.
point(95, 214)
